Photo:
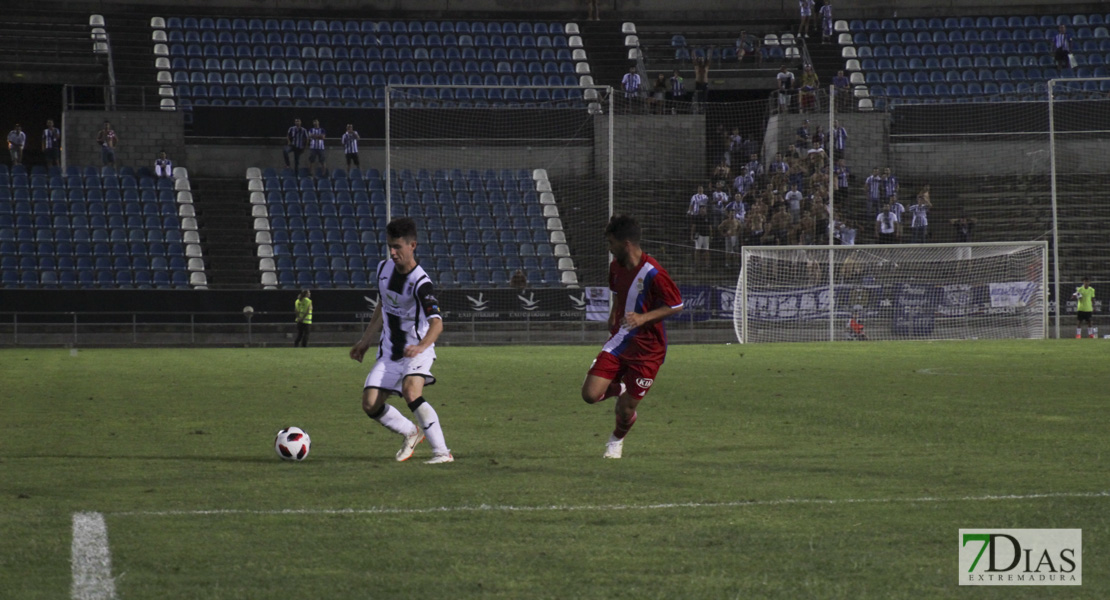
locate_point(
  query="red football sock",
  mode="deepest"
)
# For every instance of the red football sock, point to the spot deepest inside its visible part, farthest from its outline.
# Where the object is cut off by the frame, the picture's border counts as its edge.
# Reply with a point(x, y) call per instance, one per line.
point(623, 426)
point(613, 390)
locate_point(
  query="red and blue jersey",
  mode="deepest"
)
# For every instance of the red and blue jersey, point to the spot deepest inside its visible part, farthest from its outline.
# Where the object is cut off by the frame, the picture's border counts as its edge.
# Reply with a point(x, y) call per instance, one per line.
point(640, 290)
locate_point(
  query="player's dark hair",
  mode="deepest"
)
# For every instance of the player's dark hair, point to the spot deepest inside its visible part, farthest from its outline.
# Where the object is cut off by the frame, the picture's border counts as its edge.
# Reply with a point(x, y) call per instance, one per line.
point(624, 228)
point(401, 228)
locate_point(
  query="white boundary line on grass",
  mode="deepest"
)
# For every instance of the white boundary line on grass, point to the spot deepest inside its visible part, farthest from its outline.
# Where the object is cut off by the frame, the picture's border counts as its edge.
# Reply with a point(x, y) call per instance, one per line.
point(384, 510)
point(92, 561)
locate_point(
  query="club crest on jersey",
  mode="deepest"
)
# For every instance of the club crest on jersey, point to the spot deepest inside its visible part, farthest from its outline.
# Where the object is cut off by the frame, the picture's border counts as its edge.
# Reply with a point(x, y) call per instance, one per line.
point(644, 382)
point(639, 285)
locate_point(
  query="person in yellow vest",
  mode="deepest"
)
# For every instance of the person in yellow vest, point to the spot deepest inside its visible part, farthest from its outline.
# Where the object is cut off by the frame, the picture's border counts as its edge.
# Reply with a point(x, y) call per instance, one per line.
point(303, 308)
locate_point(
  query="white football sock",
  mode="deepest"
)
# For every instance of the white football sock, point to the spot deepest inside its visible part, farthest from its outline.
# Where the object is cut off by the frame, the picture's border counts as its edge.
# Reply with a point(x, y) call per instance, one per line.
point(429, 421)
point(393, 420)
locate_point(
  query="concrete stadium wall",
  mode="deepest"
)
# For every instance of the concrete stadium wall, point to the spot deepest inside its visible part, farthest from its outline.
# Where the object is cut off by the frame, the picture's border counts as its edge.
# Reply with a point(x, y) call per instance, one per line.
point(956, 158)
point(868, 137)
point(634, 159)
point(142, 135)
point(232, 161)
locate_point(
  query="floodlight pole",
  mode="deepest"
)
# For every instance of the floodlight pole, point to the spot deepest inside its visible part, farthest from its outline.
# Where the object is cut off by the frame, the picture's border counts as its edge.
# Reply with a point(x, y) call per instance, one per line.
point(830, 140)
point(388, 177)
point(1052, 185)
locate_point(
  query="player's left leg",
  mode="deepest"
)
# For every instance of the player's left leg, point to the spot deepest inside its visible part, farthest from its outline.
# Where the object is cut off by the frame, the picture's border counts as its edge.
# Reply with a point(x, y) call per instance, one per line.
point(638, 379)
point(412, 390)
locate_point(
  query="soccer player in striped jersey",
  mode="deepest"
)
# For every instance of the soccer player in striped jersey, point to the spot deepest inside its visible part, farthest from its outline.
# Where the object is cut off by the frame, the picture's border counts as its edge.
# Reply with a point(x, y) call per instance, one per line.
point(408, 317)
point(350, 146)
point(628, 363)
point(1084, 308)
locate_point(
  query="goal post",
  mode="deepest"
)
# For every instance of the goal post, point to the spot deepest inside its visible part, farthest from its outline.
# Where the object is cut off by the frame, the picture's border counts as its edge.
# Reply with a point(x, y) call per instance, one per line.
point(993, 290)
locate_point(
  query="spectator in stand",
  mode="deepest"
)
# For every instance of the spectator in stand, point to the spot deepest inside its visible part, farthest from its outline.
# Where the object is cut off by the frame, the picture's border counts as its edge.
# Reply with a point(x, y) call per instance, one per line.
point(805, 8)
point(794, 203)
point(316, 137)
point(964, 227)
point(163, 166)
point(737, 207)
point(820, 137)
point(754, 226)
point(779, 165)
point(919, 211)
point(700, 232)
point(826, 22)
point(631, 85)
point(592, 11)
point(755, 168)
point(697, 201)
point(518, 281)
point(17, 139)
point(748, 44)
point(846, 233)
point(730, 229)
point(1061, 43)
point(874, 185)
point(802, 140)
point(842, 173)
point(890, 184)
point(108, 141)
point(296, 140)
point(807, 229)
point(52, 144)
point(735, 146)
point(897, 208)
point(785, 81)
point(678, 90)
point(721, 173)
point(350, 146)
point(701, 83)
point(780, 225)
point(807, 96)
point(744, 182)
point(816, 155)
point(718, 203)
point(839, 139)
point(820, 220)
point(887, 226)
point(843, 91)
point(658, 94)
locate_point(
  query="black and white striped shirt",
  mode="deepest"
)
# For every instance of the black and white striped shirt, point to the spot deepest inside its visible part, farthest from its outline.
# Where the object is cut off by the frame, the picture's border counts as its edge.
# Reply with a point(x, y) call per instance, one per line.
point(408, 304)
point(297, 136)
point(51, 138)
point(350, 142)
point(316, 137)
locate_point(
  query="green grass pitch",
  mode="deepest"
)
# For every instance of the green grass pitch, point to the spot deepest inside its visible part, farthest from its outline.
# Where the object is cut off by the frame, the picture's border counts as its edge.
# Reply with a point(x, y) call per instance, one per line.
point(771, 471)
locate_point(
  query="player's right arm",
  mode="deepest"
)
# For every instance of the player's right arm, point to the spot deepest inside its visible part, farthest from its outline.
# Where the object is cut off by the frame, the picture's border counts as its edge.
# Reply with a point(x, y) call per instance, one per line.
point(373, 329)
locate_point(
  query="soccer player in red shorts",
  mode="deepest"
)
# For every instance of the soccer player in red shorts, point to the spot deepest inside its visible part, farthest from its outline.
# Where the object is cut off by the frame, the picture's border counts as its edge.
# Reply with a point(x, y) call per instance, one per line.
point(628, 362)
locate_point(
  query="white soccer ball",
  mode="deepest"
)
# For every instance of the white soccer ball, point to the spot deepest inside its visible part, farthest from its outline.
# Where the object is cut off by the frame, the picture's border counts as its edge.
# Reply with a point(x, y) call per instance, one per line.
point(292, 443)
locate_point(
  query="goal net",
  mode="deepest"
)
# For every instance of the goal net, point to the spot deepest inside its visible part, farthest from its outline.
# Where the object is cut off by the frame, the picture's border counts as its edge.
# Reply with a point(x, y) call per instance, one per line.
point(892, 292)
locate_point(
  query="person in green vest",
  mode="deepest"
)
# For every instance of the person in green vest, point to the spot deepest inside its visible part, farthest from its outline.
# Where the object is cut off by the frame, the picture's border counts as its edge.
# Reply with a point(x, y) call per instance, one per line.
point(303, 308)
point(1085, 294)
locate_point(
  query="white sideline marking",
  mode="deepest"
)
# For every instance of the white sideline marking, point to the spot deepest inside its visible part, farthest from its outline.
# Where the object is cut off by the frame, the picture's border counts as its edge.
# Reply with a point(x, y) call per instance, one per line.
point(92, 561)
point(384, 510)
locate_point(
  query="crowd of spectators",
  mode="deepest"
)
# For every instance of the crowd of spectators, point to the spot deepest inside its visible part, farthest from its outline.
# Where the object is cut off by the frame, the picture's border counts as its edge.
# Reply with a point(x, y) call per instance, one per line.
point(785, 202)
